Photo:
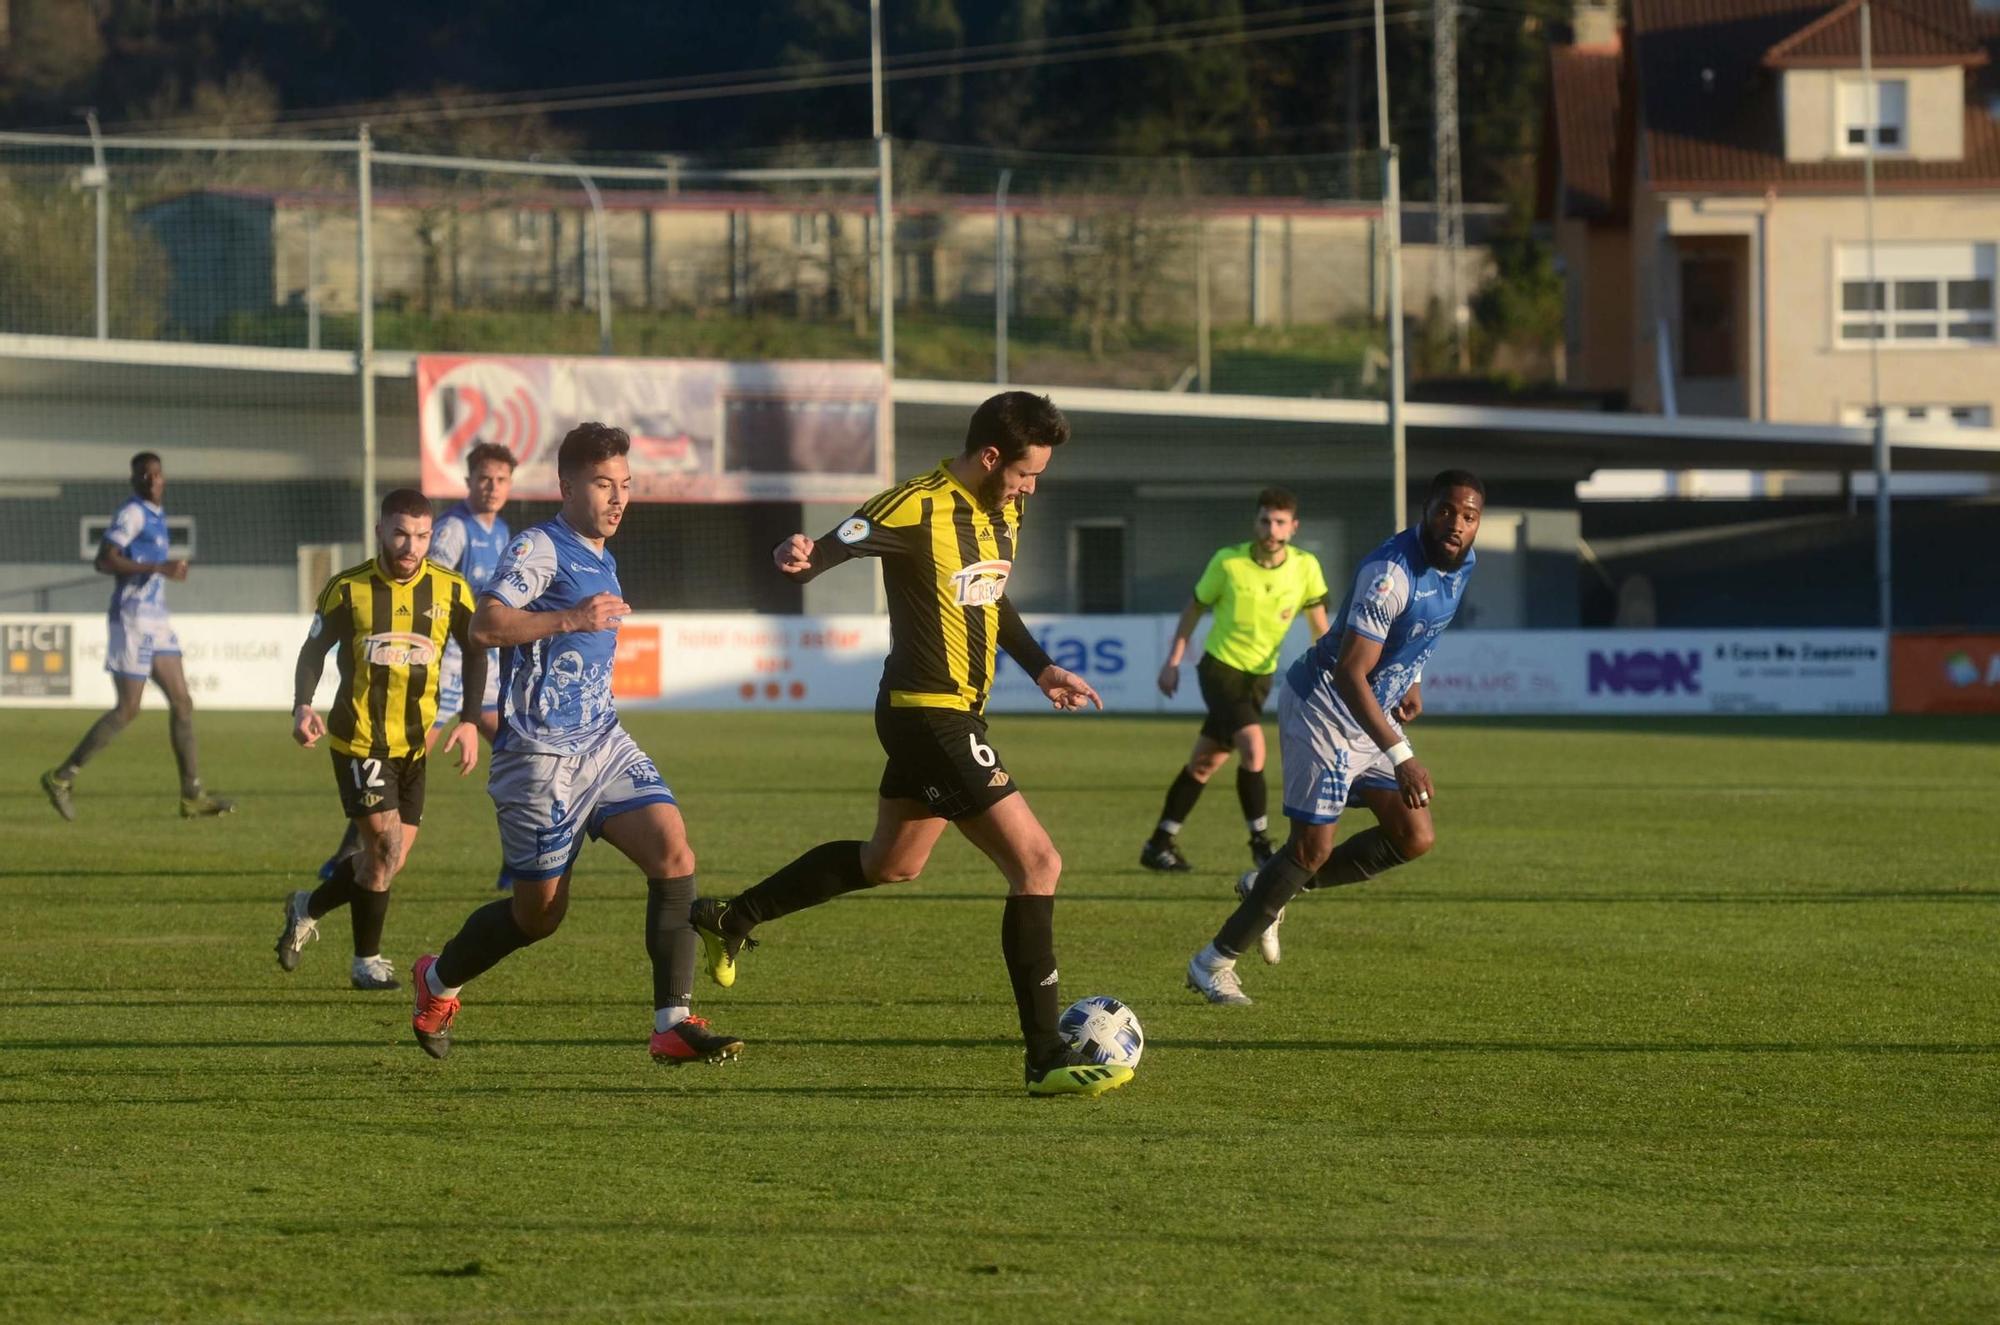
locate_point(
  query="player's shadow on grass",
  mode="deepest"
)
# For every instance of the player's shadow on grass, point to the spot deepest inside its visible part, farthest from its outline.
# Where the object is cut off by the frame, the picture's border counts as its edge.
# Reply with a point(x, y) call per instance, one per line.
point(1957, 729)
point(1573, 1048)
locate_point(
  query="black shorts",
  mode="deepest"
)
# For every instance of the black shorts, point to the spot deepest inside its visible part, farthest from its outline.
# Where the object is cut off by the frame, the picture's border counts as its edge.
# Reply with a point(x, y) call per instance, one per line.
point(1235, 699)
point(376, 786)
point(940, 757)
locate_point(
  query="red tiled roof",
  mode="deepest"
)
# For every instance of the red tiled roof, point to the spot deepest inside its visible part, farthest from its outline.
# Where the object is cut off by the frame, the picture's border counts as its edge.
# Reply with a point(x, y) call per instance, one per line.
point(1711, 116)
point(1585, 84)
point(1896, 37)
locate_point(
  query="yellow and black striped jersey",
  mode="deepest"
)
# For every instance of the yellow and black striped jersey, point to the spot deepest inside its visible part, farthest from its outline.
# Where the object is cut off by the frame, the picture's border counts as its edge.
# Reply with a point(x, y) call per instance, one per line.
point(946, 560)
point(391, 636)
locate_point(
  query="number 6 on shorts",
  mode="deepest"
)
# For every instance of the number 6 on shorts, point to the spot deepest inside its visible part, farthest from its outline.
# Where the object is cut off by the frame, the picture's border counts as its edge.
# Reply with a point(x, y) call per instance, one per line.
point(981, 754)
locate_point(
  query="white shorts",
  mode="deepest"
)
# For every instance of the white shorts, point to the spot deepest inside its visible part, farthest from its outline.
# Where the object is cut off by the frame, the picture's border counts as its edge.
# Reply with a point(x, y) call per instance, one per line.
point(548, 803)
point(1325, 769)
point(135, 640)
point(451, 683)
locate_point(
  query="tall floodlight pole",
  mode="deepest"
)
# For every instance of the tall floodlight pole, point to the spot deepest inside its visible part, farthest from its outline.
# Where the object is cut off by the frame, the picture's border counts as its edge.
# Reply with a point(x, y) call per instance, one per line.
point(1392, 229)
point(98, 177)
point(364, 340)
point(1450, 188)
point(885, 225)
point(1884, 594)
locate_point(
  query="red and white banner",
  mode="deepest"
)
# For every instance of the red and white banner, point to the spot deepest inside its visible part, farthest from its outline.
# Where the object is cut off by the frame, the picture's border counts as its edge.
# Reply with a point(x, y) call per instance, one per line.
point(703, 430)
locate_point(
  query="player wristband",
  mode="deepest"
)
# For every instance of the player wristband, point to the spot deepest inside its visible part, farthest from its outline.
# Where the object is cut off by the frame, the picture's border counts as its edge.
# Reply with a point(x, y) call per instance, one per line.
point(1400, 753)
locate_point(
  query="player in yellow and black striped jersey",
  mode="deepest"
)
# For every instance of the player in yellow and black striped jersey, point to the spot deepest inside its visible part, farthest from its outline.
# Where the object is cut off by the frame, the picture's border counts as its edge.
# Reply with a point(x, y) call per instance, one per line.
point(389, 619)
point(947, 540)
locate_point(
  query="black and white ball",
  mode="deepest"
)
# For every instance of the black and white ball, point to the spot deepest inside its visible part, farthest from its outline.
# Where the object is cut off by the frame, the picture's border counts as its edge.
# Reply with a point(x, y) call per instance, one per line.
point(1103, 1030)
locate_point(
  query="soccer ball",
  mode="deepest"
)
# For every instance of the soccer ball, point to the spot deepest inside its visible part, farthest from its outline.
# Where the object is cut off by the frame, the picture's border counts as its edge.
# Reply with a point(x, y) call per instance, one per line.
point(1103, 1030)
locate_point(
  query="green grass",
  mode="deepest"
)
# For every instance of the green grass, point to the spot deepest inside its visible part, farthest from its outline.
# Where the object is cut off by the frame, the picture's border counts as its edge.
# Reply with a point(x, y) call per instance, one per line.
point(1686, 1021)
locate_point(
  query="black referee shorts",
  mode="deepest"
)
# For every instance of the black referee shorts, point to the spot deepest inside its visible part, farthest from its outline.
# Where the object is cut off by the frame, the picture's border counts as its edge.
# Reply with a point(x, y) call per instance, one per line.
point(940, 757)
point(1235, 698)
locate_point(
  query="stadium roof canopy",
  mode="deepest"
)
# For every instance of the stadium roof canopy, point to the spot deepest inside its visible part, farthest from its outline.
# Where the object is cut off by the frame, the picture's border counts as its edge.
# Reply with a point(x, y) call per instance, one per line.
point(1178, 435)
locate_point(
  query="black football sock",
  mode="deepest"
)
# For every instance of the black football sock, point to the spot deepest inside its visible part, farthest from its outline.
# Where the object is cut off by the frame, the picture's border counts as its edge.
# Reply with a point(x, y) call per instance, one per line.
point(1254, 797)
point(1028, 943)
point(180, 728)
point(1358, 859)
point(336, 892)
point(366, 911)
point(820, 875)
point(486, 937)
point(102, 733)
point(670, 940)
point(1278, 882)
point(1181, 796)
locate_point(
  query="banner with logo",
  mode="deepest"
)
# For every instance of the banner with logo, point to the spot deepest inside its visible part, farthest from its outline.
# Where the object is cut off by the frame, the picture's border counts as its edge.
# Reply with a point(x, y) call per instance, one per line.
point(703, 430)
point(231, 661)
point(744, 661)
point(1657, 671)
point(1947, 674)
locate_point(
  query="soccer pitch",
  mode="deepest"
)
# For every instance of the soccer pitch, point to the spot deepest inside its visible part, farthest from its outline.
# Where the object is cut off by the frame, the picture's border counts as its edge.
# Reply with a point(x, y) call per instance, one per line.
point(1681, 1019)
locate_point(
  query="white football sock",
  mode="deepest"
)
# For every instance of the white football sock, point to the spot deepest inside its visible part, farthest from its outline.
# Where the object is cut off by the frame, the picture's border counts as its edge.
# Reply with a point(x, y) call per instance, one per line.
point(1171, 827)
point(438, 990)
point(1212, 958)
point(665, 1019)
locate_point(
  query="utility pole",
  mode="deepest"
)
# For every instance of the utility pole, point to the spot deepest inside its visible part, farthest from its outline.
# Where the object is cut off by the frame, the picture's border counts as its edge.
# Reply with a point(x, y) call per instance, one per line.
point(1392, 231)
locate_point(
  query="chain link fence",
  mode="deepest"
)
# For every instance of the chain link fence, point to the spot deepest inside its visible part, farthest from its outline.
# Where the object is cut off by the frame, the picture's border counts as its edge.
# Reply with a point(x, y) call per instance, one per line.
point(242, 306)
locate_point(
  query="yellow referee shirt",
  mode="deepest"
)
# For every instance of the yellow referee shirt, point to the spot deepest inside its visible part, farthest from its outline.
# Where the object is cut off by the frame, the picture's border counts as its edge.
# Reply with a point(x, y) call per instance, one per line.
point(1254, 605)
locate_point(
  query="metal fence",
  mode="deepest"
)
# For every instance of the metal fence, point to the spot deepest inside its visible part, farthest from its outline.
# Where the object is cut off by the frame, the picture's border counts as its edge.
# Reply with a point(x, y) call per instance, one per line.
point(248, 307)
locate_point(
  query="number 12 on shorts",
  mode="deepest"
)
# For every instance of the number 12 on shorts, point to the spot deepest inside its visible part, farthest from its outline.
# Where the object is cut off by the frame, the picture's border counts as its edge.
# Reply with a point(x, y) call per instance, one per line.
point(370, 769)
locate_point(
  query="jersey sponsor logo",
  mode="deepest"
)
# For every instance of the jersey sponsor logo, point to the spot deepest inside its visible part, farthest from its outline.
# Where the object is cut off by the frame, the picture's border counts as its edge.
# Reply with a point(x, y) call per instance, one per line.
point(402, 609)
point(1384, 585)
point(1424, 593)
point(853, 531)
point(436, 610)
point(999, 778)
point(981, 583)
point(521, 546)
point(399, 649)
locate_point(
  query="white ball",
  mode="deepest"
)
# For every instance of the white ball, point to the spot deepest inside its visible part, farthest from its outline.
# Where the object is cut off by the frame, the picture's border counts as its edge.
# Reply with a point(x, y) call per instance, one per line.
point(1103, 1030)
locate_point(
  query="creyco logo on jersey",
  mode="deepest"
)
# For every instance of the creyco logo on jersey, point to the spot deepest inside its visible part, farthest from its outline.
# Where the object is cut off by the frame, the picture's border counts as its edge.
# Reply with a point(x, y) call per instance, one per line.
point(852, 530)
point(1645, 672)
point(981, 583)
point(396, 648)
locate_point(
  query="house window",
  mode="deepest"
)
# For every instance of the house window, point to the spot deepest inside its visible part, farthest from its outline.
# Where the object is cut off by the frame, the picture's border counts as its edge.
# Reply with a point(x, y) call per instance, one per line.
point(1922, 294)
point(1936, 416)
point(528, 228)
point(805, 229)
point(1889, 116)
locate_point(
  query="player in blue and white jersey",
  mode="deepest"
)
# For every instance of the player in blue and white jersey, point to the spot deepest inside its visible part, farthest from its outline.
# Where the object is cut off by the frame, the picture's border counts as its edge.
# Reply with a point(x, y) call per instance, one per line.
point(1340, 726)
point(470, 538)
point(142, 645)
point(563, 768)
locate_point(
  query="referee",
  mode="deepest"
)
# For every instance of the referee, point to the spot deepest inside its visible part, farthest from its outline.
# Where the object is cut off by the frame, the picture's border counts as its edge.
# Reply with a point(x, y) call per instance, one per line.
point(1255, 589)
